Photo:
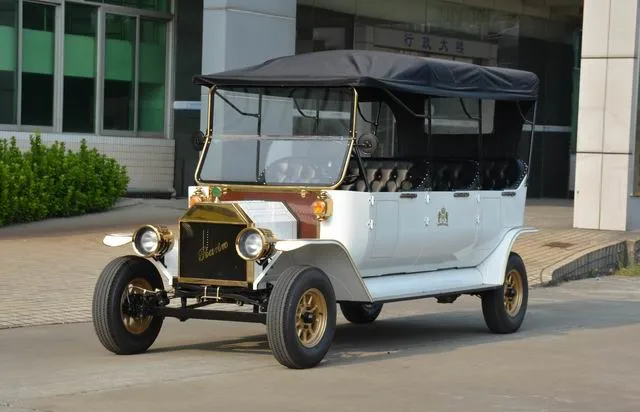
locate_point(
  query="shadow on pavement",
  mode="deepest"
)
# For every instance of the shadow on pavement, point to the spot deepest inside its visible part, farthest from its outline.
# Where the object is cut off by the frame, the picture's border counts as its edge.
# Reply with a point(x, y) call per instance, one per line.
point(403, 336)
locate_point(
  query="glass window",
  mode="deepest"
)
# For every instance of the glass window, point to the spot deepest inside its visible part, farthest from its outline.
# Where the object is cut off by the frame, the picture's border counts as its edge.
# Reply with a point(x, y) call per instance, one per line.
point(80, 31)
point(8, 59)
point(119, 72)
point(151, 89)
point(158, 5)
point(38, 46)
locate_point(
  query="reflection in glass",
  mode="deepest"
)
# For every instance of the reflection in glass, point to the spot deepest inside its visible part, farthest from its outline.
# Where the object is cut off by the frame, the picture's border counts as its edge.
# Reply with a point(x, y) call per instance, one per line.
point(8, 59)
point(38, 47)
point(312, 160)
point(119, 72)
point(79, 68)
point(151, 87)
point(158, 5)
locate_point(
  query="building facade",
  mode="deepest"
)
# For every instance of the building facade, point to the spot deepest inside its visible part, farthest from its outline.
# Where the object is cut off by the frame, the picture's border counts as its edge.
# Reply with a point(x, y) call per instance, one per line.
point(118, 74)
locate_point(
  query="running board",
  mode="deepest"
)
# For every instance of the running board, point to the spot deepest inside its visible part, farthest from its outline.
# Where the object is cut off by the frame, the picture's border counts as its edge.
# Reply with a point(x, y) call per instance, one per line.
point(425, 284)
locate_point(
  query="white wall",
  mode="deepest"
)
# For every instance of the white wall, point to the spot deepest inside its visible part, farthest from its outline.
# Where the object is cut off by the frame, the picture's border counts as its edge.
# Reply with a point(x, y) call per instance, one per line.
point(607, 116)
point(238, 33)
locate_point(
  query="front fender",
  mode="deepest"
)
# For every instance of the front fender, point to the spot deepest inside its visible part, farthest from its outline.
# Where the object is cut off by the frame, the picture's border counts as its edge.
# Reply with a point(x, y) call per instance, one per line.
point(493, 267)
point(330, 256)
point(168, 270)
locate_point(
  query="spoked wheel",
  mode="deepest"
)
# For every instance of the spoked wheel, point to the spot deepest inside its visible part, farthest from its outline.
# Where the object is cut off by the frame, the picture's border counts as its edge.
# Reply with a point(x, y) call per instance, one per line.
point(117, 303)
point(311, 318)
point(360, 312)
point(504, 308)
point(301, 317)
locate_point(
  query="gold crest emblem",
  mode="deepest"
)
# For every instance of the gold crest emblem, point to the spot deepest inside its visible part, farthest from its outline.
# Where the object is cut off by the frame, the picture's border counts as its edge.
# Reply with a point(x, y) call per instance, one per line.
point(443, 217)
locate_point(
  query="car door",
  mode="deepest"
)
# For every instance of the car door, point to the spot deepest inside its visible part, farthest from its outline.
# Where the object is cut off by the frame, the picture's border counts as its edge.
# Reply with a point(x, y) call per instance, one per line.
point(450, 229)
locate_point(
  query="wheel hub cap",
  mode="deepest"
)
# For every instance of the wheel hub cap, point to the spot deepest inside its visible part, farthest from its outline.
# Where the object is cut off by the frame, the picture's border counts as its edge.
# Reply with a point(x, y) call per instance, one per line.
point(130, 300)
point(513, 292)
point(311, 318)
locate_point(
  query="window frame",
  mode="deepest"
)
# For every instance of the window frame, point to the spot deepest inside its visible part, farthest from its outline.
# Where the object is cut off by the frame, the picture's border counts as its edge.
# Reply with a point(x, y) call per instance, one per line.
point(58, 76)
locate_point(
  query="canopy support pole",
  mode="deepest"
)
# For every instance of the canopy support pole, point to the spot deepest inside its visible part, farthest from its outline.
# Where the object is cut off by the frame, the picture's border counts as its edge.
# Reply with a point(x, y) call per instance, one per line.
point(259, 127)
point(404, 106)
point(480, 143)
point(256, 115)
point(429, 131)
point(533, 131)
point(212, 92)
point(355, 110)
point(260, 114)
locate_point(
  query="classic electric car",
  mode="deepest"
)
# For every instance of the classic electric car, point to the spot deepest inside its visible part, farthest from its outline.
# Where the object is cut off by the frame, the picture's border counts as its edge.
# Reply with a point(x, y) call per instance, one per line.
point(342, 178)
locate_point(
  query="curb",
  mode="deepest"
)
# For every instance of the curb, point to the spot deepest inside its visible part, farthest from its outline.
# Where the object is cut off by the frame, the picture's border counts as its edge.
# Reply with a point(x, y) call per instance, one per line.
point(126, 202)
point(594, 262)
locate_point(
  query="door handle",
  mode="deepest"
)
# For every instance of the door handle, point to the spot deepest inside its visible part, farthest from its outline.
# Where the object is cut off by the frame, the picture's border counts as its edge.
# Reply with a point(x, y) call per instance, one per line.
point(408, 195)
point(461, 194)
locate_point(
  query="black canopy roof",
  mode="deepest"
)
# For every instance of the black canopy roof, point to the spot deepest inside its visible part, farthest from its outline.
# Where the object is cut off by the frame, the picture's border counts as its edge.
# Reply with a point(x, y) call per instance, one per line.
point(378, 69)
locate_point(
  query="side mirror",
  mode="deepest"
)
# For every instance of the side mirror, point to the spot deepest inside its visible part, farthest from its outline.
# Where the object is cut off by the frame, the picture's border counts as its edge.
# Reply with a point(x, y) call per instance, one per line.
point(367, 143)
point(197, 140)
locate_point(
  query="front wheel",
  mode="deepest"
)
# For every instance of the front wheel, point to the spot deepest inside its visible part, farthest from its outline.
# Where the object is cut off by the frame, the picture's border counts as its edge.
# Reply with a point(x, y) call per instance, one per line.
point(504, 308)
point(301, 317)
point(117, 301)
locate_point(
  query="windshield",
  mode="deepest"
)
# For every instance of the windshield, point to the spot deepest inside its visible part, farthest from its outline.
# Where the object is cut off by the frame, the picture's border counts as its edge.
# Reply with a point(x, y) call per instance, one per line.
point(278, 136)
point(308, 161)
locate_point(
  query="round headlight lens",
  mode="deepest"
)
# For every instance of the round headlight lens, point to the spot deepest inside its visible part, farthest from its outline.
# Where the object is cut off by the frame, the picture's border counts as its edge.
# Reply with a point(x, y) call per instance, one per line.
point(148, 241)
point(253, 244)
point(152, 240)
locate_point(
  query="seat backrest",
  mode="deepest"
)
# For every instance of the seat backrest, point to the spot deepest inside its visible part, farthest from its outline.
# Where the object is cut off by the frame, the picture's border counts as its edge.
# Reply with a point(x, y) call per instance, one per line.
point(386, 175)
point(462, 174)
point(501, 174)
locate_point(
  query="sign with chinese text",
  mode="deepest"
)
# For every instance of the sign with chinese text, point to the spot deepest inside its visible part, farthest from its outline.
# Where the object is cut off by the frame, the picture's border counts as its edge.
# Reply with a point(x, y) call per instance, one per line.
point(428, 43)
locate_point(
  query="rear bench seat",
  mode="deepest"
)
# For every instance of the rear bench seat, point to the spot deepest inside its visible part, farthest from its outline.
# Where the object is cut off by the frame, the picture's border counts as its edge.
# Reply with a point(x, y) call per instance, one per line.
point(407, 175)
point(502, 174)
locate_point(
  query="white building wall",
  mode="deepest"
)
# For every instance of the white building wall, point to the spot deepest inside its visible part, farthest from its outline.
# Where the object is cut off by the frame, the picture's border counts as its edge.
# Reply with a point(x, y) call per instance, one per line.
point(238, 33)
point(607, 116)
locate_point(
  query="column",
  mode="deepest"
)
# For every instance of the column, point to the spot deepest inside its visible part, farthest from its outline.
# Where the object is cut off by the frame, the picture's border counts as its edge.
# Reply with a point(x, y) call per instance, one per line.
point(607, 116)
point(238, 33)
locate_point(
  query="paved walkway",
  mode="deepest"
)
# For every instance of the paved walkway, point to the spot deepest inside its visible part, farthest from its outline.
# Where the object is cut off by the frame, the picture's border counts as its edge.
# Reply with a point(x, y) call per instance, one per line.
point(48, 269)
point(556, 241)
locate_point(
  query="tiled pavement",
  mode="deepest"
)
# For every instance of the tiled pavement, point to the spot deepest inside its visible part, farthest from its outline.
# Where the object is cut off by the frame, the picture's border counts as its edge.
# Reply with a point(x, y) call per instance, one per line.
point(556, 240)
point(48, 277)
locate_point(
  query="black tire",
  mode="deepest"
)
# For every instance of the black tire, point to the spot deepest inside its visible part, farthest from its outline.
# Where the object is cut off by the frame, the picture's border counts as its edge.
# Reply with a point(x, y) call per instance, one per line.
point(110, 290)
point(283, 313)
point(496, 315)
point(356, 312)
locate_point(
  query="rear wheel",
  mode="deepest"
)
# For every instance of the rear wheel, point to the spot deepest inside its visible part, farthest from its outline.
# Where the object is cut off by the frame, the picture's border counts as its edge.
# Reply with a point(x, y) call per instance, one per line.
point(360, 312)
point(301, 317)
point(504, 308)
point(117, 301)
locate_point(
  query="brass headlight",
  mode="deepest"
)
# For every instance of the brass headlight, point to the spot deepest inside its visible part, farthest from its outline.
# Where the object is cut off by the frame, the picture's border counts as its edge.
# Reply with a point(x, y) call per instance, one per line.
point(152, 241)
point(254, 244)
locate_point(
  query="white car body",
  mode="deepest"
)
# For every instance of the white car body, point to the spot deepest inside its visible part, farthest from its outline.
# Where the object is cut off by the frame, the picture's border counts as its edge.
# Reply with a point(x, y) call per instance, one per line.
point(382, 246)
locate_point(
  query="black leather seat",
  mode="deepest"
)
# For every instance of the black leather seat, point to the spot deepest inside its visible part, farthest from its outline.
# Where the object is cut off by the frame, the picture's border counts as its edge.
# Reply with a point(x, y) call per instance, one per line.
point(502, 174)
point(447, 175)
point(387, 175)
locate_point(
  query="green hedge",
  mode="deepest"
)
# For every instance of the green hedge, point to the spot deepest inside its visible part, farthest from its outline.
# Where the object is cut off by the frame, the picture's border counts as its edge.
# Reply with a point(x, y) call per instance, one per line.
point(46, 182)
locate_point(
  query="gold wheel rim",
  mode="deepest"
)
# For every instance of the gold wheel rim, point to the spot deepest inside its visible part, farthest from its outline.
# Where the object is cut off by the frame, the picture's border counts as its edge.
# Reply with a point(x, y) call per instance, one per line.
point(513, 292)
point(135, 324)
point(311, 318)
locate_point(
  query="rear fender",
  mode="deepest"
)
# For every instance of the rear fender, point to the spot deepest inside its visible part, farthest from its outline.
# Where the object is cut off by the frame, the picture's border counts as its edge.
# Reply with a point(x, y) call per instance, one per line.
point(330, 256)
point(493, 267)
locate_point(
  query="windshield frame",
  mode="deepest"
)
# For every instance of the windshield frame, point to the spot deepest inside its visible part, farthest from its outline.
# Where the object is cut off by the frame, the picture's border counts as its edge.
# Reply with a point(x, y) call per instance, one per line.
point(274, 187)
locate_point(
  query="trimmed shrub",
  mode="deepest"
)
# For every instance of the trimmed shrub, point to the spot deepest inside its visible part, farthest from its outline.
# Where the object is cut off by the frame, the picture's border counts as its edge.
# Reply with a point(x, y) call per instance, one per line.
point(46, 182)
